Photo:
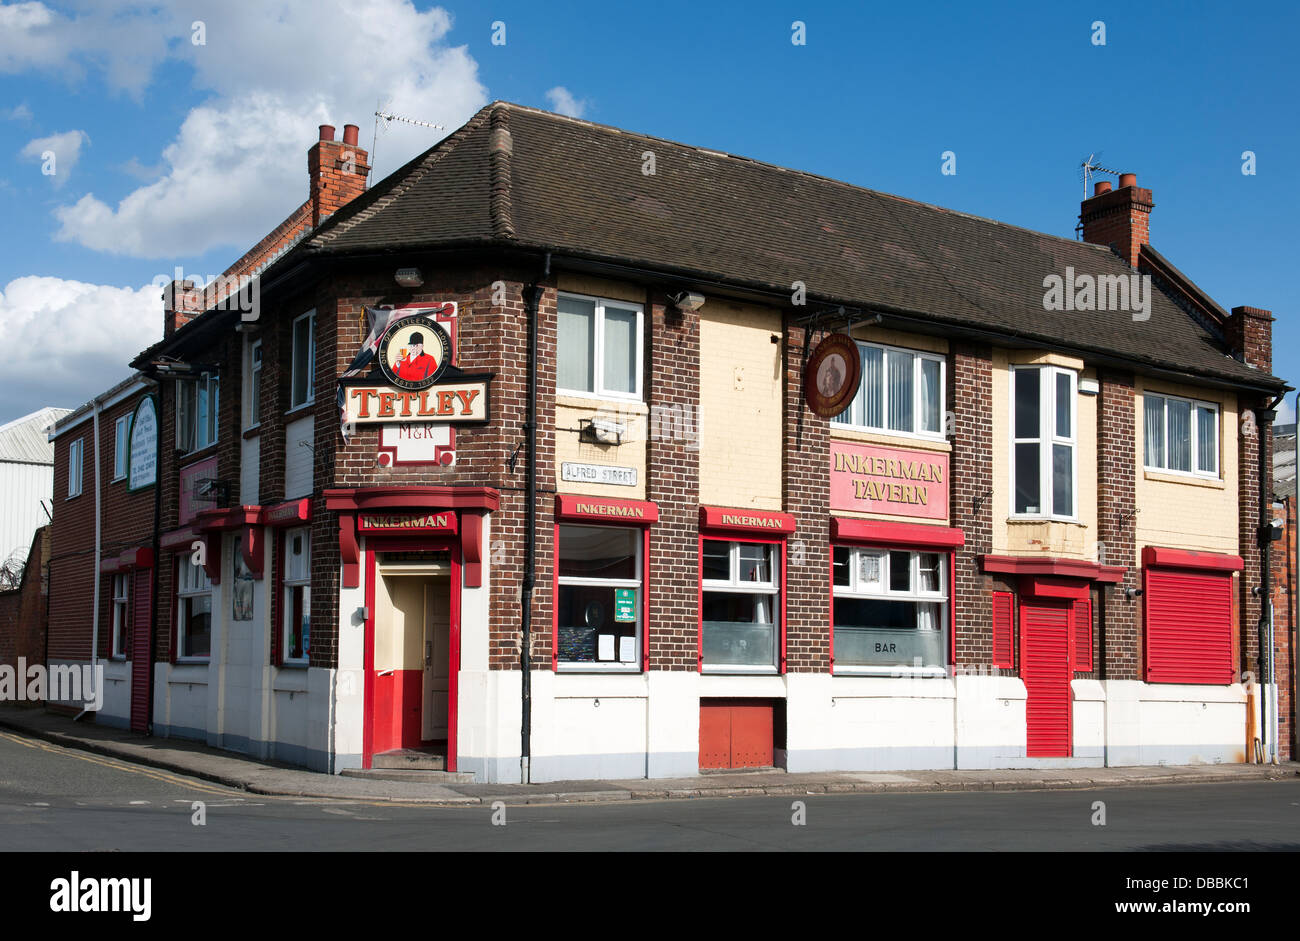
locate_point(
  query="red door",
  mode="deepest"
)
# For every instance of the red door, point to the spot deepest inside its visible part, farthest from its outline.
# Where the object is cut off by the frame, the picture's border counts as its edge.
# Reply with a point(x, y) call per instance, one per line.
point(736, 733)
point(141, 667)
point(1046, 670)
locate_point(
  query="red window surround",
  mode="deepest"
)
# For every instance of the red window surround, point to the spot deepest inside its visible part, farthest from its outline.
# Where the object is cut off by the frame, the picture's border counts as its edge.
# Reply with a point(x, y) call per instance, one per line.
point(910, 536)
point(606, 511)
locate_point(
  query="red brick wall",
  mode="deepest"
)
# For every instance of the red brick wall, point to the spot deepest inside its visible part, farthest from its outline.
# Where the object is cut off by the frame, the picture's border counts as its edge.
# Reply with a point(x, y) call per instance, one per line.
point(673, 482)
point(970, 394)
point(805, 491)
point(1119, 636)
point(23, 610)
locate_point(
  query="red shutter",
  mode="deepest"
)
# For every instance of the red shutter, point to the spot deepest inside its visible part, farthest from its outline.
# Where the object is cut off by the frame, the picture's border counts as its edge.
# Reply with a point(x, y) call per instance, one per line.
point(276, 582)
point(141, 666)
point(1083, 636)
point(1188, 626)
point(1045, 668)
point(1004, 630)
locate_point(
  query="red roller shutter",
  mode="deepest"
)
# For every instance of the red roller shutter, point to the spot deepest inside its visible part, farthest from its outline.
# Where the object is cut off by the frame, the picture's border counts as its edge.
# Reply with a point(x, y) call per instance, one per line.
point(1004, 629)
point(1045, 669)
point(1188, 626)
point(1083, 636)
point(141, 665)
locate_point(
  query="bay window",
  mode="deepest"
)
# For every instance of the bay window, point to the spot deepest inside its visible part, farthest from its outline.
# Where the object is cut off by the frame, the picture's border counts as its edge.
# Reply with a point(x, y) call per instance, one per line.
point(598, 610)
point(741, 613)
point(598, 347)
point(1180, 436)
point(296, 597)
point(890, 609)
point(193, 611)
point(901, 392)
point(1043, 441)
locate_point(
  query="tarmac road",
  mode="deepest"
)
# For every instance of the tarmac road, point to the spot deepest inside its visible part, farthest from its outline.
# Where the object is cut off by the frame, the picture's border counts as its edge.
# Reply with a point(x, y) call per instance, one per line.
point(59, 799)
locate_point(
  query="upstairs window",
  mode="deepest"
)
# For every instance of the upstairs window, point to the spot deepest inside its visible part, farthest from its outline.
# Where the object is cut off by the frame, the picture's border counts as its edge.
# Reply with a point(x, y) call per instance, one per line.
point(302, 389)
point(253, 395)
point(1180, 436)
point(1043, 448)
point(75, 451)
point(901, 392)
point(598, 346)
point(121, 438)
point(198, 403)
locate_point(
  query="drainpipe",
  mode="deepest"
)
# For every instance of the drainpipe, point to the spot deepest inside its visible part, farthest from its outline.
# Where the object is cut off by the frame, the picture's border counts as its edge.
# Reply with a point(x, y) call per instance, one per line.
point(94, 605)
point(532, 296)
point(1268, 703)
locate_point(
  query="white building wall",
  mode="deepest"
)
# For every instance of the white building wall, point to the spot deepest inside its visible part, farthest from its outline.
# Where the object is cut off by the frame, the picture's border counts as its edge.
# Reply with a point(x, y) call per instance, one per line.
point(22, 488)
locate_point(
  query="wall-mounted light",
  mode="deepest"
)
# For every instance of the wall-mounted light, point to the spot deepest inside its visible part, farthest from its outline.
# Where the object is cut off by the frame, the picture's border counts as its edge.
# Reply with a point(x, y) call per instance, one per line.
point(688, 300)
point(1131, 593)
point(600, 431)
point(1089, 387)
point(409, 277)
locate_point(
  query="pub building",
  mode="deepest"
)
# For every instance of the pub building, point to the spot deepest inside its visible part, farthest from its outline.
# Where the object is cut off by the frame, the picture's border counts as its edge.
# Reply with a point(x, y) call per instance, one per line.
point(527, 464)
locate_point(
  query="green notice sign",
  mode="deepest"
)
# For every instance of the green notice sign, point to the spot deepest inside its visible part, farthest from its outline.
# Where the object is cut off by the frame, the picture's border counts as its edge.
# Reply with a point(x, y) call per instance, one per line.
point(624, 604)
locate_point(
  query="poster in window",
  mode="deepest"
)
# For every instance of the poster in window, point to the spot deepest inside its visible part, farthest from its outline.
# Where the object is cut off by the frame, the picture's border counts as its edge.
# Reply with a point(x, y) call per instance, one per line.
point(241, 596)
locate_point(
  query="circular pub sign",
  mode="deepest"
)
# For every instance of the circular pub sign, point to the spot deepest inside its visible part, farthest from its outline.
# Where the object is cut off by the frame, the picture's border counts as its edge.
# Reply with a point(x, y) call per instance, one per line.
point(414, 353)
point(831, 380)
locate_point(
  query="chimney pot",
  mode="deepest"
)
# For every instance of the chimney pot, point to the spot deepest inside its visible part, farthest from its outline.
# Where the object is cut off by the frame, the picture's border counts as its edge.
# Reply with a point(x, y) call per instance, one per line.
point(350, 134)
point(327, 132)
point(1101, 186)
point(1128, 179)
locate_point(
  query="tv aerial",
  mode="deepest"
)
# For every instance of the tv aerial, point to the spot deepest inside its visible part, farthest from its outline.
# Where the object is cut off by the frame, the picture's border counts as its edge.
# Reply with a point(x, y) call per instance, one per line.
point(382, 114)
point(1089, 166)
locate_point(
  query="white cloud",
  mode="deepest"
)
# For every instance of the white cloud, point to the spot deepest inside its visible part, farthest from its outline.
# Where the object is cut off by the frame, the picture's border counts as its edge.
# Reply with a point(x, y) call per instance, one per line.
point(19, 112)
point(70, 340)
point(237, 165)
point(65, 147)
point(562, 100)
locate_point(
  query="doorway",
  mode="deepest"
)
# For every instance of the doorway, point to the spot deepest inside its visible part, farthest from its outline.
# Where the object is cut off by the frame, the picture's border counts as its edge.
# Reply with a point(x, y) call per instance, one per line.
point(1046, 669)
point(411, 657)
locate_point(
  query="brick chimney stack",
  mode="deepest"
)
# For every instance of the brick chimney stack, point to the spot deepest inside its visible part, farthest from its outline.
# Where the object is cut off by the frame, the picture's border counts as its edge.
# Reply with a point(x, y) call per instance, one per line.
point(1250, 334)
point(182, 302)
point(338, 171)
point(1118, 218)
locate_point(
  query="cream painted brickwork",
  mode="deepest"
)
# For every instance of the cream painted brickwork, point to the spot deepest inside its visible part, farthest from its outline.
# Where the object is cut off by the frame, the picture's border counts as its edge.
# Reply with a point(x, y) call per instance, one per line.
point(905, 341)
point(570, 411)
point(1186, 512)
point(740, 406)
point(600, 287)
point(1071, 540)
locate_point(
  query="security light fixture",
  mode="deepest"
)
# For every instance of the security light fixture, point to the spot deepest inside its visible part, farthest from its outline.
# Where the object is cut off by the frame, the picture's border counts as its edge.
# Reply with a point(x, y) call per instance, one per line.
point(409, 277)
point(1131, 593)
point(167, 367)
point(688, 300)
point(600, 431)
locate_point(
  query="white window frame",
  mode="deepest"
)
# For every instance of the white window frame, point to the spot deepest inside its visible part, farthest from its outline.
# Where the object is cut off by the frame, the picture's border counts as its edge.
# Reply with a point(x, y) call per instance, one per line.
point(188, 439)
point(76, 466)
point(857, 589)
point(121, 614)
point(606, 666)
point(253, 387)
point(598, 350)
point(1047, 437)
point(734, 585)
point(854, 415)
point(121, 447)
point(1193, 430)
point(191, 585)
point(286, 592)
point(310, 317)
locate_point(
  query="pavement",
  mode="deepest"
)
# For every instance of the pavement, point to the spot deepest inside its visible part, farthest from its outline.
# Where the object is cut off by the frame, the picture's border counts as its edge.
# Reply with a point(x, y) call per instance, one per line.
point(257, 776)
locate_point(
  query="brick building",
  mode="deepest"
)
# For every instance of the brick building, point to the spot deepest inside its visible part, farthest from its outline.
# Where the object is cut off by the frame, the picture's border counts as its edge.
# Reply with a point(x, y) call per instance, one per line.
point(1030, 539)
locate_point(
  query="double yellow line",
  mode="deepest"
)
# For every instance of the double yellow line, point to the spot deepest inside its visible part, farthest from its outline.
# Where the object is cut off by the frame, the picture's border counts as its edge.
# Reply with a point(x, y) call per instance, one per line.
point(156, 774)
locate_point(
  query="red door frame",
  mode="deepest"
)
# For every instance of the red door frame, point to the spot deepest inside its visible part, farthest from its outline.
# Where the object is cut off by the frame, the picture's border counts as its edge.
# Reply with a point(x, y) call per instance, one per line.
point(1067, 606)
point(439, 543)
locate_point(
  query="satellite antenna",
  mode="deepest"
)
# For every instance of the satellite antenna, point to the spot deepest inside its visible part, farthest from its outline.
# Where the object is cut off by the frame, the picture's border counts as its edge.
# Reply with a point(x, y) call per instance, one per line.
point(388, 118)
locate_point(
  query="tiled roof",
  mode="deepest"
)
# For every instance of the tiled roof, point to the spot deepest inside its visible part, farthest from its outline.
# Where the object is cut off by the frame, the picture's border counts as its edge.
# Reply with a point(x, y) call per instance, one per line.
point(529, 178)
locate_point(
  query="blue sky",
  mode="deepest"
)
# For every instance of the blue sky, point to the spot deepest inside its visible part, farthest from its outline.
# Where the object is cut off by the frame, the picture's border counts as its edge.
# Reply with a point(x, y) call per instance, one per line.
point(174, 154)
